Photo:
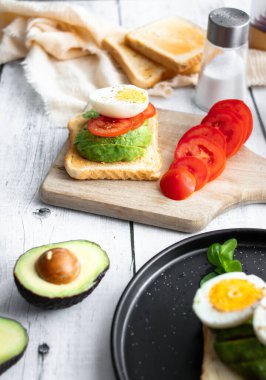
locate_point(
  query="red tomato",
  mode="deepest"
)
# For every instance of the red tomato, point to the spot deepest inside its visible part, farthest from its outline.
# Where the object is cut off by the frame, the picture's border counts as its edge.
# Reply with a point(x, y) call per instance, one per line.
point(178, 184)
point(108, 127)
point(137, 120)
point(242, 111)
point(196, 167)
point(150, 111)
point(205, 131)
point(201, 147)
point(230, 126)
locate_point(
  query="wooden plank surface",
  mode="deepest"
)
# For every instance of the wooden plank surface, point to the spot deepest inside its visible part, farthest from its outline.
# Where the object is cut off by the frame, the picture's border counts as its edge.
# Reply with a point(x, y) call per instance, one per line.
point(79, 337)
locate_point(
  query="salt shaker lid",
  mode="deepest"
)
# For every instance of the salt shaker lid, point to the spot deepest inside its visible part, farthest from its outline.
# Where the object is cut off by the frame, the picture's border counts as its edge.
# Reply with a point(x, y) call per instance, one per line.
point(228, 27)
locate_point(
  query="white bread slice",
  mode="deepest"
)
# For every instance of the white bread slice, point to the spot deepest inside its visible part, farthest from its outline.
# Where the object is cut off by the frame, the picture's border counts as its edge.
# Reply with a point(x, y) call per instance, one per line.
point(173, 42)
point(212, 367)
point(140, 70)
point(144, 168)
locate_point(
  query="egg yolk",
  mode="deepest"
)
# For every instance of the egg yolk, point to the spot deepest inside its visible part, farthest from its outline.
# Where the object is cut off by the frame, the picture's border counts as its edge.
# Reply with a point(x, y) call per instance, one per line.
point(234, 294)
point(131, 95)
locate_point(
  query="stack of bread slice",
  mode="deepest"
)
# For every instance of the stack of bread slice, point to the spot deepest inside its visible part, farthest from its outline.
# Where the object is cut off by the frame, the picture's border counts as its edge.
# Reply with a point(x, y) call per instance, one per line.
point(158, 51)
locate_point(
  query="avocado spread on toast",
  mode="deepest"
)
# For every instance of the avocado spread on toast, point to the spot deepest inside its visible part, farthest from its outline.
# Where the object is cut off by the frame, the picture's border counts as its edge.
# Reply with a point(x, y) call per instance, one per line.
point(239, 348)
point(126, 147)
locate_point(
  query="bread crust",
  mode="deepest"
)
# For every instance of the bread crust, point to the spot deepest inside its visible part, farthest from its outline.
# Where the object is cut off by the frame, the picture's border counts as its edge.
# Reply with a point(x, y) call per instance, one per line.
point(140, 70)
point(144, 168)
point(212, 367)
point(152, 40)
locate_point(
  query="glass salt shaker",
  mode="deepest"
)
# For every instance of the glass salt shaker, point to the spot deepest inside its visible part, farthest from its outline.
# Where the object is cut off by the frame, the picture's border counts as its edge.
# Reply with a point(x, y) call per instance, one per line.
point(223, 71)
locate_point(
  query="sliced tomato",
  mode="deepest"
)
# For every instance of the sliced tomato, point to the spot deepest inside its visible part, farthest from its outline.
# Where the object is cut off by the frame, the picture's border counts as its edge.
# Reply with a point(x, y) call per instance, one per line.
point(178, 184)
point(196, 167)
point(137, 120)
point(205, 131)
point(107, 127)
point(150, 111)
point(241, 110)
point(230, 126)
point(206, 150)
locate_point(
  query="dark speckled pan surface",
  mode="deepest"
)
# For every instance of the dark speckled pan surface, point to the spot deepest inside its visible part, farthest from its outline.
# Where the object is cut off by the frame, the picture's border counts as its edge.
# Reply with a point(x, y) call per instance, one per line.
point(155, 335)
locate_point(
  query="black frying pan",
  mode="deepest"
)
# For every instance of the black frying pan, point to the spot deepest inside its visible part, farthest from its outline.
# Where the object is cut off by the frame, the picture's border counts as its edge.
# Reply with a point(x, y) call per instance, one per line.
point(155, 334)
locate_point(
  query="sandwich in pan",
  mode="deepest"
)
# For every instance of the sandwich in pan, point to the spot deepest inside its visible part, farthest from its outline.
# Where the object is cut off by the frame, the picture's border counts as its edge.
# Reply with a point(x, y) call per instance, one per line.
point(232, 308)
point(116, 139)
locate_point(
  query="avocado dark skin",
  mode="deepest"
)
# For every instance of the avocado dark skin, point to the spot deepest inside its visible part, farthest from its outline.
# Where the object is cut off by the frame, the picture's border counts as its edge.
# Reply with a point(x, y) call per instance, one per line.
point(13, 360)
point(60, 302)
point(56, 303)
point(5, 366)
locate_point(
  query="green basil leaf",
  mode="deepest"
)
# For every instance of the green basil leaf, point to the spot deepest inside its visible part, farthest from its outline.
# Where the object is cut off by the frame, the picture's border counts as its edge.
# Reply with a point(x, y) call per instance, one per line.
point(207, 277)
point(234, 266)
point(219, 270)
point(213, 254)
point(227, 250)
point(91, 114)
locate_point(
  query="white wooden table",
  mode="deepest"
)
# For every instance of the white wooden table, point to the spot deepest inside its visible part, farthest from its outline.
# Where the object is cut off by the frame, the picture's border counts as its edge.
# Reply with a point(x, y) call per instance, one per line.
point(79, 337)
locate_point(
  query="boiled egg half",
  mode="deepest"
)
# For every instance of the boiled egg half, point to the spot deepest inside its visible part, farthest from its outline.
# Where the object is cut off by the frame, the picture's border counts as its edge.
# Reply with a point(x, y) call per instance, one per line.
point(259, 321)
point(228, 300)
point(122, 101)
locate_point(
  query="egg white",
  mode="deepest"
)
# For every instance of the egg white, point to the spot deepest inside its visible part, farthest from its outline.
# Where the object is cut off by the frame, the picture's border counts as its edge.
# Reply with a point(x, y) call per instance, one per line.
point(214, 318)
point(259, 321)
point(105, 103)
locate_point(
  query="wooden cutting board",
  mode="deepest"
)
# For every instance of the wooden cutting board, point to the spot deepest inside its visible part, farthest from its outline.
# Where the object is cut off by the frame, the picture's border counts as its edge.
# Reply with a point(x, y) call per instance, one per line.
point(243, 181)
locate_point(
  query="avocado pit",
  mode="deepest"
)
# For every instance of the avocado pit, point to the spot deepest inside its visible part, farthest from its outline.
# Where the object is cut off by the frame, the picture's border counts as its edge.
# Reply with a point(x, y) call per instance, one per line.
point(58, 266)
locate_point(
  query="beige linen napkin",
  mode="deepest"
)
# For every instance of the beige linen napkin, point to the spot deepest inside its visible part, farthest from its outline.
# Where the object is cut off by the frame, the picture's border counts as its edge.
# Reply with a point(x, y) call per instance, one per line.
point(62, 45)
point(64, 60)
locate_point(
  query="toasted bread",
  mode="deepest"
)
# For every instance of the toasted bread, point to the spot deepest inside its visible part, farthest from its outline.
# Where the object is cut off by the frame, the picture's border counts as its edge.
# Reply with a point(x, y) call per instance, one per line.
point(144, 168)
point(212, 367)
point(140, 70)
point(173, 42)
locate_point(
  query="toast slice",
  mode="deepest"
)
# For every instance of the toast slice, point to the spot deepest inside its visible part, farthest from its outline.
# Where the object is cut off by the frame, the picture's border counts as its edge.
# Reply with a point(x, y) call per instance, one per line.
point(141, 71)
point(144, 168)
point(173, 42)
point(212, 367)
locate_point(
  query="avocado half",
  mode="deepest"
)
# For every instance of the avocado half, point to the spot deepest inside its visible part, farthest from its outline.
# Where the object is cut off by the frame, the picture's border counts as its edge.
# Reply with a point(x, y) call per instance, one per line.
point(94, 263)
point(13, 342)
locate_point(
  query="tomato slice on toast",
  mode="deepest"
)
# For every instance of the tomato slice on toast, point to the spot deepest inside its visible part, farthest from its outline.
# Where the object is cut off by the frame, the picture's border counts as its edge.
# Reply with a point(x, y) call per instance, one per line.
point(150, 111)
point(137, 120)
point(110, 127)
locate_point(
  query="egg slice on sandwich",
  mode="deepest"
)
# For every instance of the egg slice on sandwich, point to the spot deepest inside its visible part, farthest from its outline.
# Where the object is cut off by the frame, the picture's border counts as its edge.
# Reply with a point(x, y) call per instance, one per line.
point(259, 321)
point(228, 300)
point(122, 101)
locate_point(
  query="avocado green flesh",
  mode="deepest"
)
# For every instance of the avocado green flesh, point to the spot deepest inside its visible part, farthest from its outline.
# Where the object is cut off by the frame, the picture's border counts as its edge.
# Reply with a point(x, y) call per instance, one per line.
point(243, 331)
point(252, 370)
point(93, 261)
point(234, 351)
point(13, 339)
point(126, 147)
point(241, 351)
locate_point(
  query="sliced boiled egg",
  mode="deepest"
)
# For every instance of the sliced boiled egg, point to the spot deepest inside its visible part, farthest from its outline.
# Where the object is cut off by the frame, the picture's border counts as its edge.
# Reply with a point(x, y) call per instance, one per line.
point(228, 300)
point(259, 321)
point(121, 101)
